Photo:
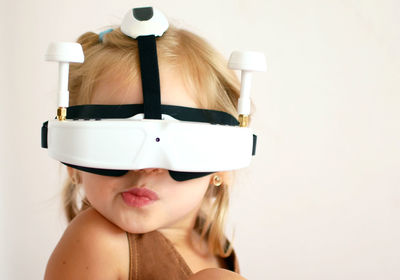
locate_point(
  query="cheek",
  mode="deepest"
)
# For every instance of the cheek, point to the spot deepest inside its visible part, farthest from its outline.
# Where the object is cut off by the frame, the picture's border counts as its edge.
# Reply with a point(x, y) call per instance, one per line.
point(96, 189)
point(186, 196)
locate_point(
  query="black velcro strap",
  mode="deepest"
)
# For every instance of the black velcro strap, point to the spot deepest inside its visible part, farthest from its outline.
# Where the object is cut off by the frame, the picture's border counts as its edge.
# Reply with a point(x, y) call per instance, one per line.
point(254, 144)
point(150, 77)
point(44, 134)
point(199, 115)
point(97, 112)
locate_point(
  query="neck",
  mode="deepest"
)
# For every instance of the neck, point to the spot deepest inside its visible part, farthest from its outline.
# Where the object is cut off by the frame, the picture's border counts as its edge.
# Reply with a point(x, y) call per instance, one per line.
point(183, 235)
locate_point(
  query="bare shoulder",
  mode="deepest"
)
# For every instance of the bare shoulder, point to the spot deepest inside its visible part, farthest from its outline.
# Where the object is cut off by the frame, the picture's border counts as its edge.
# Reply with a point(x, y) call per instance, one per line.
point(90, 248)
point(216, 273)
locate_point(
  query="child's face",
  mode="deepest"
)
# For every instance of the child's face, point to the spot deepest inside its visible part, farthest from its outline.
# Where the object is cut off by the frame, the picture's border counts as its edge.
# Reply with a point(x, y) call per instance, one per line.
point(178, 202)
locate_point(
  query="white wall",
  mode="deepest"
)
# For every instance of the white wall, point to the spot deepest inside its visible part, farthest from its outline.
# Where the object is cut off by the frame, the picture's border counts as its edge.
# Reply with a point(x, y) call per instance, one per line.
point(321, 199)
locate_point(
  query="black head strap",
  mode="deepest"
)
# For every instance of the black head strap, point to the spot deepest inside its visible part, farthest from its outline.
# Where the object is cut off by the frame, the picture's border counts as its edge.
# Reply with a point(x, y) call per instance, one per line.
point(150, 77)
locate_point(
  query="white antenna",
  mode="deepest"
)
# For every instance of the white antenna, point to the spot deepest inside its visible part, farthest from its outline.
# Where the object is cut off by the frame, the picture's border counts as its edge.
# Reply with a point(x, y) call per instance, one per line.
point(64, 53)
point(247, 62)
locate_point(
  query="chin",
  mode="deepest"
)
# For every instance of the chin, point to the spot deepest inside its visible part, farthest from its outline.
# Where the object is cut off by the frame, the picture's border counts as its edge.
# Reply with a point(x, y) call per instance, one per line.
point(136, 228)
point(139, 230)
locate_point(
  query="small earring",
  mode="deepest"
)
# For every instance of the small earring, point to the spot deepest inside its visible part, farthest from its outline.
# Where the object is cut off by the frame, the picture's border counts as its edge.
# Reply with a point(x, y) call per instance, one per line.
point(217, 181)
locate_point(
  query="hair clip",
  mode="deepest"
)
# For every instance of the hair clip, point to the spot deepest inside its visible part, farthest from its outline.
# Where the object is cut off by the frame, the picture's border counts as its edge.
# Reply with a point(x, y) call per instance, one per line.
point(101, 34)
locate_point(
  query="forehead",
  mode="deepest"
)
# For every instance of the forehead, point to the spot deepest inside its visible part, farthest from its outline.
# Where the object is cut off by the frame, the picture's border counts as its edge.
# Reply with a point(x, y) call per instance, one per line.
point(114, 89)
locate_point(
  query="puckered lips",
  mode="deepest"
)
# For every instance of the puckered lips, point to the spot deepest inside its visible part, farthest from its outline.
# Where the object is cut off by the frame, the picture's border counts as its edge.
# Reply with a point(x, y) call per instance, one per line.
point(139, 197)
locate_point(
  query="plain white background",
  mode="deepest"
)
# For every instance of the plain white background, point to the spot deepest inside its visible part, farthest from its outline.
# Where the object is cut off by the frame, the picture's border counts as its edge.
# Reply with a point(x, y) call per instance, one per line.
point(321, 200)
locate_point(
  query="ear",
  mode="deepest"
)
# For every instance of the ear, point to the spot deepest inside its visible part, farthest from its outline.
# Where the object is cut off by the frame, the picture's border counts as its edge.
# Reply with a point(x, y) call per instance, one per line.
point(72, 171)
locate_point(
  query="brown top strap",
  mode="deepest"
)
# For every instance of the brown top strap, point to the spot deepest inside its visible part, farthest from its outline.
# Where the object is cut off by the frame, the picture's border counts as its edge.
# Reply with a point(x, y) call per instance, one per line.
point(153, 256)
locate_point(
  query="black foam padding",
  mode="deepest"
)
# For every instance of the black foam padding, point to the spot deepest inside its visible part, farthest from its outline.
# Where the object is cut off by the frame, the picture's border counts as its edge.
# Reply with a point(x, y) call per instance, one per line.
point(176, 175)
point(143, 14)
point(99, 171)
point(184, 176)
point(150, 76)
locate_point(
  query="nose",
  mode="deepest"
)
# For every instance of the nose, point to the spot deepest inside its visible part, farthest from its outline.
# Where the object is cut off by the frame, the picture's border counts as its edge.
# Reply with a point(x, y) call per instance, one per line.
point(149, 170)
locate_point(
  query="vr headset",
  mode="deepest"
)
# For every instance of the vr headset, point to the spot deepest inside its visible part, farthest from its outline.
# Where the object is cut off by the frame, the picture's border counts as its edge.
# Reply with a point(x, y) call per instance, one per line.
point(110, 140)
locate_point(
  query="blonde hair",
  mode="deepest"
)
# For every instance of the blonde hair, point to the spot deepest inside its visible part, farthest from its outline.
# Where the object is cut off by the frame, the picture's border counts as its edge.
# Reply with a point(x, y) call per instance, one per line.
point(204, 71)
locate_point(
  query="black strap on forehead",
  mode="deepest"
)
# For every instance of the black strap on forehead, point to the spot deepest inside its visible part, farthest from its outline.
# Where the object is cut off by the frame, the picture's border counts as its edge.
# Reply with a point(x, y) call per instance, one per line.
point(97, 112)
point(150, 77)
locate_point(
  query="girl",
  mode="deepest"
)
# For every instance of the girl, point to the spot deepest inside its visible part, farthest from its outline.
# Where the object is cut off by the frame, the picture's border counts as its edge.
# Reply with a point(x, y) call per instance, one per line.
point(179, 234)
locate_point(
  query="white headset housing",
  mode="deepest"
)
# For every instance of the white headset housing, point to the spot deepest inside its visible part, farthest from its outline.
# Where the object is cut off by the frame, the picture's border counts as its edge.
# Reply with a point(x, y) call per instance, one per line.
point(111, 140)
